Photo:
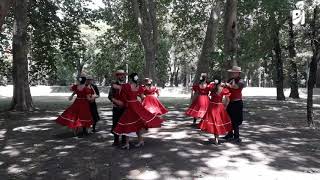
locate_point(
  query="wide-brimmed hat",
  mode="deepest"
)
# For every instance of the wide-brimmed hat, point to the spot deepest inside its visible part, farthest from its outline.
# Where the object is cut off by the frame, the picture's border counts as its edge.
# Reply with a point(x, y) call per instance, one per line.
point(148, 80)
point(235, 69)
point(89, 77)
point(203, 74)
point(120, 72)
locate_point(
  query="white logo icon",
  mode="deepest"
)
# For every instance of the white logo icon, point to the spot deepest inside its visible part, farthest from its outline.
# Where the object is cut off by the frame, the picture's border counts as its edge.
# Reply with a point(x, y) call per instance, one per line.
point(299, 15)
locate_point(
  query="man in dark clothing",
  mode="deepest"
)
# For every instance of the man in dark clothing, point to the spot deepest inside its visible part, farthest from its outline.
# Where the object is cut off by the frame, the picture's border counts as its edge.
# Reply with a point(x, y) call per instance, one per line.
point(93, 104)
point(235, 108)
point(118, 106)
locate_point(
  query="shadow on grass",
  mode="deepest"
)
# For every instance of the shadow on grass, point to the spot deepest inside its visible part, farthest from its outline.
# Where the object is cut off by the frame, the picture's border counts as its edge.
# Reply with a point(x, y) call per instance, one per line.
point(274, 138)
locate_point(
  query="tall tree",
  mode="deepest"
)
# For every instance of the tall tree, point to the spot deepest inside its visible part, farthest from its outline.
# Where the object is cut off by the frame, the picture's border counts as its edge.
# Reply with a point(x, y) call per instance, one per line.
point(21, 100)
point(293, 64)
point(230, 33)
point(315, 43)
point(278, 62)
point(72, 45)
point(4, 8)
point(145, 17)
point(44, 41)
point(209, 41)
point(278, 13)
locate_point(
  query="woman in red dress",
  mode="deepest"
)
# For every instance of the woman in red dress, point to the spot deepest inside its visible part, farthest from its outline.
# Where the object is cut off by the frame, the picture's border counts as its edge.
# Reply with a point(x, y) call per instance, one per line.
point(78, 114)
point(151, 101)
point(216, 120)
point(200, 102)
point(136, 117)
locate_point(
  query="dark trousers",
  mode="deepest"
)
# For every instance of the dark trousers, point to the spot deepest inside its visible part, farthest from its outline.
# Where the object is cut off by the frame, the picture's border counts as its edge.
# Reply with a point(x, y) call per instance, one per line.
point(94, 113)
point(116, 114)
point(235, 111)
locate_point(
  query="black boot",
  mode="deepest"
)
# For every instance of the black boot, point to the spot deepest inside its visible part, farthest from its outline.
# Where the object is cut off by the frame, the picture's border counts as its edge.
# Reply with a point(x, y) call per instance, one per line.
point(229, 136)
point(115, 140)
point(85, 131)
point(194, 124)
point(94, 128)
point(123, 139)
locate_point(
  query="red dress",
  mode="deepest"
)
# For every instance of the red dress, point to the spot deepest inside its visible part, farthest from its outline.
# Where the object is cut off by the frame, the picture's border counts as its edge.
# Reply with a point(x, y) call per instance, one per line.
point(216, 120)
point(200, 104)
point(152, 103)
point(78, 114)
point(135, 117)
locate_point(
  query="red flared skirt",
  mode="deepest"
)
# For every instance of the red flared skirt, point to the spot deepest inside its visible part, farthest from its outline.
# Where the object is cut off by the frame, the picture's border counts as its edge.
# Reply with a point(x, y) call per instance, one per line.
point(216, 120)
point(198, 107)
point(135, 118)
point(153, 105)
point(76, 115)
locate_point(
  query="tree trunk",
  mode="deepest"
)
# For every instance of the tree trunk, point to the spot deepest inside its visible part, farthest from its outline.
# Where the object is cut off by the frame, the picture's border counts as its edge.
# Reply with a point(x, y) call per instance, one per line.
point(311, 83)
point(79, 68)
point(293, 74)
point(278, 63)
point(176, 77)
point(21, 100)
point(4, 8)
point(230, 34)
point(318, 76)
point(315, 42)
point(145, 15)
point(184, 75)
point(209, 41)
point(171, 78)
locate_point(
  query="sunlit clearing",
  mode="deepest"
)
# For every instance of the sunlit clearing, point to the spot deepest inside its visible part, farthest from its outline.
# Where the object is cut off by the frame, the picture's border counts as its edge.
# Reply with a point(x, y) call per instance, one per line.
point(147, 155)
point(173, 149)
point(32, 128)
point(15, 169)
point(63, 153)
point(64, 147)
point(44, 118)
point(183, 154)
point(26, 160)
point(10, 151)
point(170, 135)
point(183, 173)
point(42, 172)
point(146, 175)
point(2, 133)
point(106, 113)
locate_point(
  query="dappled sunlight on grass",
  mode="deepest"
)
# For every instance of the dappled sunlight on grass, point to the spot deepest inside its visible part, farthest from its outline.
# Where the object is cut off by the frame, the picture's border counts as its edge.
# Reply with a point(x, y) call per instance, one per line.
point(10, 151)
point(41, 127)
point(275, 144)
point(42, 118)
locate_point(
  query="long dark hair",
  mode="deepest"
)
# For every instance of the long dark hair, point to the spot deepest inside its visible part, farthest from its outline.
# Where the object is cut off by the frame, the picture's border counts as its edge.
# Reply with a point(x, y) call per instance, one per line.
point(217, 82)
point(82, 80)
point(131, 77)
point(203, 79)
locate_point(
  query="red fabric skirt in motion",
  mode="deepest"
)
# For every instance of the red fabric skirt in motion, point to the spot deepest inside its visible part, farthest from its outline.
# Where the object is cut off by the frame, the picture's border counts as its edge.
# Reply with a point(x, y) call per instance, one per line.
point(153, 105)
point(76, 115)
point(198, 107)
point(216, 120)
point(135, 118)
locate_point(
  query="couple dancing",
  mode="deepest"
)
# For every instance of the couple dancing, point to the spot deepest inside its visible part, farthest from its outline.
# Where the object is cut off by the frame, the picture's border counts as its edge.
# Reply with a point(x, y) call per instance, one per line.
point(83, 112)
point(219, 117)
point(130, 116)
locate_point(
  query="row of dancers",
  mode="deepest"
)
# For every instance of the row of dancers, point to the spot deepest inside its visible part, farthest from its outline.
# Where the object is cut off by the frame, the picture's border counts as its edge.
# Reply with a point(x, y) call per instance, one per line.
point(137, 108)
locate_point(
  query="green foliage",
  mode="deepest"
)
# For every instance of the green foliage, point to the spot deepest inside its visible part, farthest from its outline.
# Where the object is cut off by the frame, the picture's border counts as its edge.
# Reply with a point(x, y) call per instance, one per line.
point(162, 65)
point(44, 40)
point(5, 50)
point(66, 36)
